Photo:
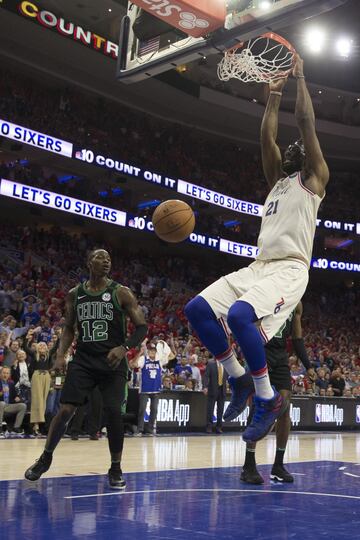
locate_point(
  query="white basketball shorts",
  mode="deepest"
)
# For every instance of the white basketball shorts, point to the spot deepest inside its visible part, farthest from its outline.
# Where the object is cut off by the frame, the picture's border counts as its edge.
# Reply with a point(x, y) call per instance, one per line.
point(273, 288)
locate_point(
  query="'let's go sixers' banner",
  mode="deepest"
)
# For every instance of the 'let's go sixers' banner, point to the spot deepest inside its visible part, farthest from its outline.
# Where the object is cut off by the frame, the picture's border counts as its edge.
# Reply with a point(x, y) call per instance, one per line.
point(85, 209)
point(67, 149)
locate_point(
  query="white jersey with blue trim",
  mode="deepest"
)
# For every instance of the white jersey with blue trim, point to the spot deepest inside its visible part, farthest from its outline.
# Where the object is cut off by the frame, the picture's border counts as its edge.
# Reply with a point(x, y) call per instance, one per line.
point(289, 221)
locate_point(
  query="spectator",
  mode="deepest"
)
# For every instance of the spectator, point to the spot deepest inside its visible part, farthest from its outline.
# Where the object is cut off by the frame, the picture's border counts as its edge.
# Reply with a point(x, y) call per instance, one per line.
point(10, 402)
point(215, 390)
point(10, 353)
point(21, 373)
point(183, 371)
point(153, 357)
point(337, 382)
point(196, 375)
point(321, 381)
point(41, 363)
point(167, 383)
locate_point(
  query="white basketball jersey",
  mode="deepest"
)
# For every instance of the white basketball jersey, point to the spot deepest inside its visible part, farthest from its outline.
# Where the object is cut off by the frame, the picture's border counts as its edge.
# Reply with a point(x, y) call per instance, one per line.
point(289, 221)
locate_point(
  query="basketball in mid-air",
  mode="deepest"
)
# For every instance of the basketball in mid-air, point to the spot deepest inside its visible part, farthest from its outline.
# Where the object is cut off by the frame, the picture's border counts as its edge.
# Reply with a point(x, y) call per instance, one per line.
point(173, 221)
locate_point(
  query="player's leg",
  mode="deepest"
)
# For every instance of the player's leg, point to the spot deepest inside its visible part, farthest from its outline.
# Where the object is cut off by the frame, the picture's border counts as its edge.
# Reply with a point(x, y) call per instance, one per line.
point(249, 473)
point(211, 331)
point(78, 383)
point(283, 425)
point(95, 414)
point(207, 314)
point(113, 388)
point(77, 422)
point(272, 299)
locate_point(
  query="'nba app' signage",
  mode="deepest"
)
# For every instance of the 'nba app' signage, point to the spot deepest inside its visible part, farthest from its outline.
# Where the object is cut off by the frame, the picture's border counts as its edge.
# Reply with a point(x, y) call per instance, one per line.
point(329, 414)
point(170, 410)
point(34, 138)
point(295, 415)
point(56, 201)
point(47, 19)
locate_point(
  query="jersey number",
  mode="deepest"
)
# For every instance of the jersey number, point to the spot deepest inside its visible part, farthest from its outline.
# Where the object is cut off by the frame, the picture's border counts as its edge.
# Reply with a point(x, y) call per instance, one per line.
point(99, 331)
point(272, 208)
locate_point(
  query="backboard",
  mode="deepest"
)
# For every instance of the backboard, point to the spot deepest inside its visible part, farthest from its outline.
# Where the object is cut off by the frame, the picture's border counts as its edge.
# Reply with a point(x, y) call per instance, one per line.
point(149, 45)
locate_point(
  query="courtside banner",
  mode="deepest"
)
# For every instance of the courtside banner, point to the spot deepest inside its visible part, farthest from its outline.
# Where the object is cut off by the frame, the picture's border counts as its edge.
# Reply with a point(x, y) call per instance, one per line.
point(234, 248)
point(49, 20)
point(86, 155)
point(56, 201)
point(34, 138)
point(213, 197)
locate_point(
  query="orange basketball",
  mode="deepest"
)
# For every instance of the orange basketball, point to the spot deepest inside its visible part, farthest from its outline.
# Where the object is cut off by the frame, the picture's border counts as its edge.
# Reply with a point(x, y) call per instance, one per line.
point(173, 221)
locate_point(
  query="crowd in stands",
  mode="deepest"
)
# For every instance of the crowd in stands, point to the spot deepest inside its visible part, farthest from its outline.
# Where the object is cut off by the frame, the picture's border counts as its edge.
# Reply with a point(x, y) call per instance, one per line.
point(39, 265)
point(50, 262)
point(138, 138)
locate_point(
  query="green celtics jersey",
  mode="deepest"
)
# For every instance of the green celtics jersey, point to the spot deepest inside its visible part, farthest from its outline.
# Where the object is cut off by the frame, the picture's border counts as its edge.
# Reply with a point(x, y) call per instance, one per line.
point(100, 320)
point(276, 352)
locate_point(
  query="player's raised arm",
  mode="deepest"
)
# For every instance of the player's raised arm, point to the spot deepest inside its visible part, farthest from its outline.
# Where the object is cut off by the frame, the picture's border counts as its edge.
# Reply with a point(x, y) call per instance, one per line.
point(271, 155)
point(305, 118)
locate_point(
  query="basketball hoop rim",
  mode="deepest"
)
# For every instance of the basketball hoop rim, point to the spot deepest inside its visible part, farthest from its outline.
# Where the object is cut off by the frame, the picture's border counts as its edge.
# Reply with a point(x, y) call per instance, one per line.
point(271, 35)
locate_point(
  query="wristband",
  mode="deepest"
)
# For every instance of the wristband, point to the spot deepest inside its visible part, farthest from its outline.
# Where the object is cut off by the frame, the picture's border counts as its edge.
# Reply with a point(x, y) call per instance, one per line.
point(276, 93)
point(300, 77)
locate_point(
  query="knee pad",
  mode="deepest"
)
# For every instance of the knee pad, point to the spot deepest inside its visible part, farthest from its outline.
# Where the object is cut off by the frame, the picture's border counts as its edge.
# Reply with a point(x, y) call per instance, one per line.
point(241, 314)
point(198, 309)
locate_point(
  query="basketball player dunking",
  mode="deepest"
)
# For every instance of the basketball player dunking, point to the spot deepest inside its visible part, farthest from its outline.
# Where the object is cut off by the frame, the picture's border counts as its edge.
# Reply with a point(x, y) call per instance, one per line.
point(98, 308)
point(270, 288)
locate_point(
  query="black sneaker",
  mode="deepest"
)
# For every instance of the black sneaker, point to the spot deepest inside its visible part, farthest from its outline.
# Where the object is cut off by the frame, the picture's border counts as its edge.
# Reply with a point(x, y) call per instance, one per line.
point(116, 480)
point(19, 431)
point(280, 474)
point(74, 437)
point(40, 467)
point(251, 476)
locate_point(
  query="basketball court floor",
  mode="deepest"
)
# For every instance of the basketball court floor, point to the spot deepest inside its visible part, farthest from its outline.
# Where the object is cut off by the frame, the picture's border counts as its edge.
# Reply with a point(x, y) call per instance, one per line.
point(183, 486)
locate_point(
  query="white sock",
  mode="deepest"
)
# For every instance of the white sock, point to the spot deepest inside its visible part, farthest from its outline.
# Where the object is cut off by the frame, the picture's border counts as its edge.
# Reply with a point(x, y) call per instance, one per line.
point(262, 385)
point(230, 363)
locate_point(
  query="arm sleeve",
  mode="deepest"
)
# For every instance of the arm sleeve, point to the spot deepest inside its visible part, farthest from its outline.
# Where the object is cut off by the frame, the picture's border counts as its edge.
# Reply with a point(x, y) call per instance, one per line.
point(301, 353)
point(136, 337)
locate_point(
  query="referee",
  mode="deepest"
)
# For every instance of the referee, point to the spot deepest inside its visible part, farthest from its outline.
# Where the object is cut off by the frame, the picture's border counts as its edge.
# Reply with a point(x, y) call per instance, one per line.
point(280, 377)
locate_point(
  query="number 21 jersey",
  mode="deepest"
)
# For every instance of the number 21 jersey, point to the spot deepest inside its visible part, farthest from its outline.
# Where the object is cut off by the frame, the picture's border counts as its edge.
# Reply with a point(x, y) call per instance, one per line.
point(289, 221)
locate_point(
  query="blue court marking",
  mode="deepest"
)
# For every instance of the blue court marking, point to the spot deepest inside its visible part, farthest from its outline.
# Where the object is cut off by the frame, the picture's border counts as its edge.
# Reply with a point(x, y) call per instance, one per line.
point(323, 502)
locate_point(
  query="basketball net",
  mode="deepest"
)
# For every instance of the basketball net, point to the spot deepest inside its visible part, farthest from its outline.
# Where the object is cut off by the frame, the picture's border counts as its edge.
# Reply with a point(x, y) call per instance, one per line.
point(264, 59)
